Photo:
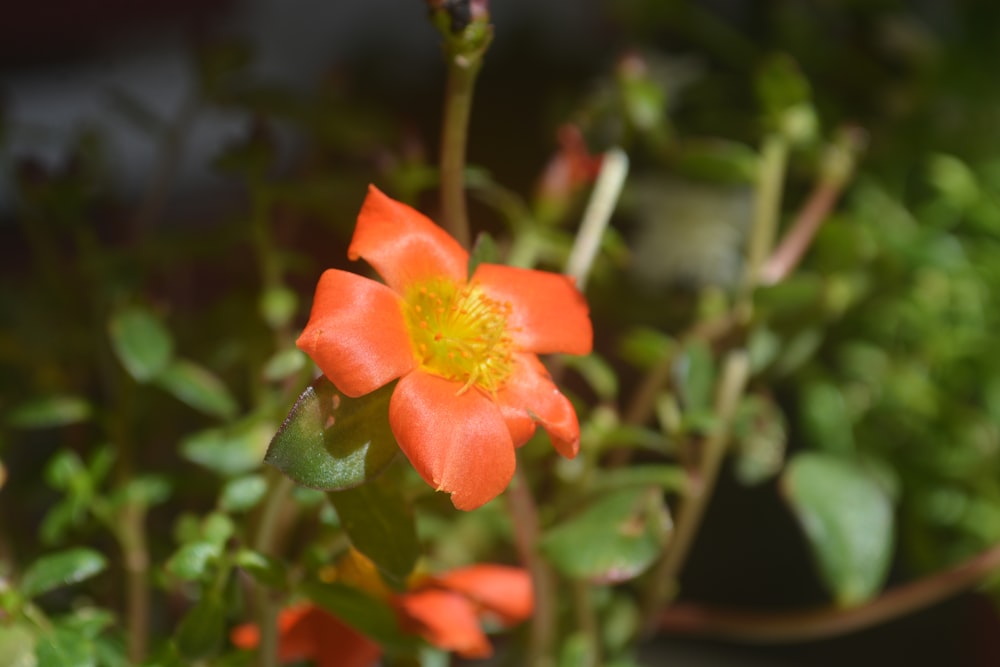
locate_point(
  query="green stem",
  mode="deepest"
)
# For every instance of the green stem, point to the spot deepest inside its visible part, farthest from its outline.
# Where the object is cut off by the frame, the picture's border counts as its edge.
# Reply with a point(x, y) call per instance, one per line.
point(526, 533)
point(663, 586)
point(767, 209)
point(465, 57)
point(264, 542)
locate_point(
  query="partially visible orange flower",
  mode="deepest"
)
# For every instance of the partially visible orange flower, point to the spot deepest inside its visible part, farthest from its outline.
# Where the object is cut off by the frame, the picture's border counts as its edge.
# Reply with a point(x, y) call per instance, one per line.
point(307, 632)
point(571, 168)
point(445, 610)
point(471, 387)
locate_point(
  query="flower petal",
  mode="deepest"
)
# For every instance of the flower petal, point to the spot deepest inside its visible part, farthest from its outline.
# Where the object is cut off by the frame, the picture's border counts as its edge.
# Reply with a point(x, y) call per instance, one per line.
point(403, 244)
point(548, 313)
point(296, 638)
point(530, 394)
point(339, 645)
point(500, 589)
point(356, 334)
point(446, 620)
point(458, 442)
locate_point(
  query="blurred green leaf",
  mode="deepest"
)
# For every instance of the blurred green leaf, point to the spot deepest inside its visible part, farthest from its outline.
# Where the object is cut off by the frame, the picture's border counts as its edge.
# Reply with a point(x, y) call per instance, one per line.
point(598, 374)
point(17, 645)
point(49, 412)
point(379, 521)
point(192, 560)
point(217, 528)
point(278, 306)
point(644, 347)
point(61, 569)
point(141, 342)
point(614, 538)
point(695, 370)
point(761, 437)
point(371, 617)
point(484, 251)
point(64, 647)
point(671, 478)
point(284, 364)
point(847, 518)
point(265, 569)
point(233, 449)
point(198, 387)
point(826, 420)
point(201, 631)
point(330, 441)
point(143, 490)
point(242, 493)
point(716, 160)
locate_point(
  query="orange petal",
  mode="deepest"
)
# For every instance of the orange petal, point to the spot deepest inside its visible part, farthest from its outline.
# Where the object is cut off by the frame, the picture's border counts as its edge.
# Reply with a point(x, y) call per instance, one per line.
point(502, 590)
point(446, 620)
point(530, 394)
point(339, 645)
point(295, 633)
point(403, 244)
point(548, 313)
point(356, 334)
point(458, 442)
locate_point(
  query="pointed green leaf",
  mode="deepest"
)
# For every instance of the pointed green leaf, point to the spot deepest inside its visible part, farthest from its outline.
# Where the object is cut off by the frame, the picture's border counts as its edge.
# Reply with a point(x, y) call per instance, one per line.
point(49, 412)
point(242, 493)
point(61, 569)
point(141, 342)
point(369, 616)
point(192, 560)
point(233, 449)
point(848, 520)
point(65, 647)
point(199, 388)
point(332, 442)
point(613, 539)
point(380, 524)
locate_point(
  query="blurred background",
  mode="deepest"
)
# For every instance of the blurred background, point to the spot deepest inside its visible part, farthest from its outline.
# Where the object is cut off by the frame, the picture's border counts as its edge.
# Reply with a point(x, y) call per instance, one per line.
point(142, 123)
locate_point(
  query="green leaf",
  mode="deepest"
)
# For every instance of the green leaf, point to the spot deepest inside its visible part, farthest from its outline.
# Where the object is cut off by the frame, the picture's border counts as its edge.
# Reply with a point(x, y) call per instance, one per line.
point(826, 419)
point(141, 342)
point(232, 450)
point(265, 569)
point(696, 369)
point(192, 560)
point(380, 523)
point(198, 387)
point(760, 439)
point(50, 412)
point(201, 630)
point(667, 477)
point(243, 493)
point(64, 647)
point(848, 520)
point(332, 442)
point(283, 364)
point(644, 347)
point(599, 375)
point(278, 305)
point(717, 160)
point(365, 614)
point(613, 539)
point(61, 569)
point(484, 251)
point(17, 645)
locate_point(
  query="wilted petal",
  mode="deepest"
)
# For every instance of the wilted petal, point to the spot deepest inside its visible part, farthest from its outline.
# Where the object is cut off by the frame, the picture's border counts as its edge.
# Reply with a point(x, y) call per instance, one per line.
point(530, 394)
point(356, 334)
point(404, 245)
point(458, 442)
point(446, 620)
point(548, 313)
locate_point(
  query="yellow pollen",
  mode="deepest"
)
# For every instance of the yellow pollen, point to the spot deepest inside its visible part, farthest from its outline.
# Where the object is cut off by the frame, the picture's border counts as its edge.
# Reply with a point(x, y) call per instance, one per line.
point(459, 333)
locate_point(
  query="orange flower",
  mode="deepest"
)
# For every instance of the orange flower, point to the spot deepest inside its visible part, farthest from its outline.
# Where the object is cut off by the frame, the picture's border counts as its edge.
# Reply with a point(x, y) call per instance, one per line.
point(444, 610)
point(471, 387)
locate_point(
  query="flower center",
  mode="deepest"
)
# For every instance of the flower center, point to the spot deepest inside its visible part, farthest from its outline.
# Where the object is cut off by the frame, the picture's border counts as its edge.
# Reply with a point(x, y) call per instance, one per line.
point(459, 333)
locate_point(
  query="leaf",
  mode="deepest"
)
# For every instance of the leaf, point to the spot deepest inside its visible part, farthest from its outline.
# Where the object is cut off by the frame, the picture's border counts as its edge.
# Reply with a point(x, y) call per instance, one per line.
point(61, 569)
point(847, 518)
point(242, 493)
point(696, 372)
point(277, 306)
point(201, 630)
point(380, 524)
point(598, 374)
point(717, 160)
point(65, 647)
point(283, 364)
point(17, 645)
point(198, 387)
point(369, 616)
point(50, 412)
point(333, 442)
point(192, 560)
point(613, 539)
point(484, 251)
point(667, 477)
point(141, 342)
point(234, 449)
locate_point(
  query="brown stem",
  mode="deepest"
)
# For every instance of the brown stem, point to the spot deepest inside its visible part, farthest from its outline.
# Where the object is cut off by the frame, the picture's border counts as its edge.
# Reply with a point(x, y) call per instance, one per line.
point(800, 235)
point(825, 622)
point(132, 538)
point(526, 532)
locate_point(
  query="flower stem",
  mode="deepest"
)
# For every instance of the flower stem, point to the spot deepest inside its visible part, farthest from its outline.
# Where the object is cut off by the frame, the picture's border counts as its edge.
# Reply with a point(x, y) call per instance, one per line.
point(526, 532)
point(767, 209)
point(264, 542)
point(464, 51)
point(663, 586)
point(826, 622)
